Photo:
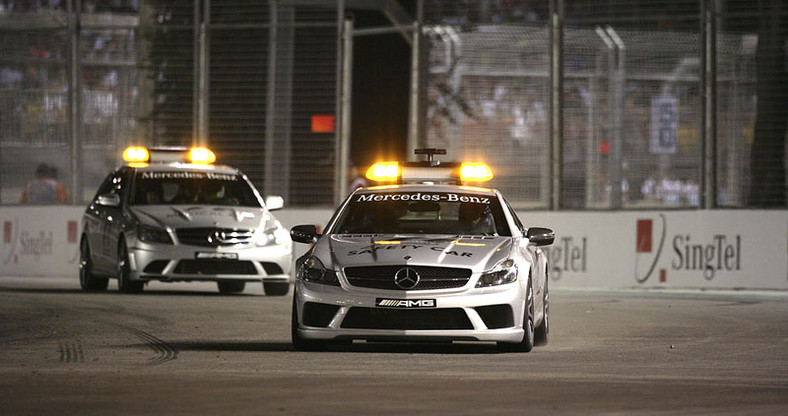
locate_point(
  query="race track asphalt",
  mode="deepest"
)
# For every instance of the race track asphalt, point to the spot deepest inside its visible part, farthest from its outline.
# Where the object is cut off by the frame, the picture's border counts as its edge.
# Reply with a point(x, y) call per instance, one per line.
point(184, 349)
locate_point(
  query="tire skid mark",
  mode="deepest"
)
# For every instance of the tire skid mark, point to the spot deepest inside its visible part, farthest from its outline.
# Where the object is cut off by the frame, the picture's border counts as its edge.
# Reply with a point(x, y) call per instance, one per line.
point(71, 352)
point(164, 351)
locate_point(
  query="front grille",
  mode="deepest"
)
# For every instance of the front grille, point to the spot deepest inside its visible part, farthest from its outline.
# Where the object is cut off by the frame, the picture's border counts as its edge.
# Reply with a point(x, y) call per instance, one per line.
point(430, 278)
point(214, 237)
point(215, 266)
point(425, 319)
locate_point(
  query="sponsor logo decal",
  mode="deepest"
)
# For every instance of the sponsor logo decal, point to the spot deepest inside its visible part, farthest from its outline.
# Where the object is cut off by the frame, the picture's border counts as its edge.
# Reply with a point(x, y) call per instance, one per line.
point(721, 253)
point(644, 248)
point(415, 247)
point(718, 253)
point(189, 175)
point(419, 196)
point(23, 244)
point(567, 255)
point(405, 303)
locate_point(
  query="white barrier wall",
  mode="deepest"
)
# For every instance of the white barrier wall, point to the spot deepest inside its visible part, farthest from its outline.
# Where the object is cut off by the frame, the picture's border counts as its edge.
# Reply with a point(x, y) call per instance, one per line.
point(600, 250)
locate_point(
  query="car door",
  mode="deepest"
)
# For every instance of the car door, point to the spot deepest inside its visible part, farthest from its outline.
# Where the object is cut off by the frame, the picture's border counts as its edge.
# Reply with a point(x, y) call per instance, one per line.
point(534, 253)
point(114, 219)
point(103, 223)
point(94, 227)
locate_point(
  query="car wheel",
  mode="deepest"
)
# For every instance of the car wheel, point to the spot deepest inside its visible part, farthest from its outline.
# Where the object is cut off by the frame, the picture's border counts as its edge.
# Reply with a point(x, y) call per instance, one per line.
point(301, 344)
point(527, 344)
point(230, 286)
point(125, 284)
point(276, 288)
point(542, 332)
point(87, 280)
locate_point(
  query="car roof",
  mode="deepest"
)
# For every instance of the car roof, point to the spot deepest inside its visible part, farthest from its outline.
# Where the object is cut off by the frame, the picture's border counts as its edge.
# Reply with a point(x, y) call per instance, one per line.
point(427, 188)
point(177, 166)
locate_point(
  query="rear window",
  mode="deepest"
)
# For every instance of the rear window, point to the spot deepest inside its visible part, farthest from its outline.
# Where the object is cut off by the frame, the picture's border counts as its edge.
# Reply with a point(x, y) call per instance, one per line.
point(423, 213)
point(192, 188)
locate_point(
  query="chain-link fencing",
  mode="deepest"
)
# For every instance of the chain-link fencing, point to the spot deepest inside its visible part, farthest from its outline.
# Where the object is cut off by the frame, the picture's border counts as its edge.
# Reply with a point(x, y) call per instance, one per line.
point(260, 82)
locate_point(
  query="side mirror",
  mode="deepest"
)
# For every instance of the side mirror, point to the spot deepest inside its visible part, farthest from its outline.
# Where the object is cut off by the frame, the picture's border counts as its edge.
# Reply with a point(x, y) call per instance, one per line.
point(274, 202)
point(108, 200)
point(540, 236)
point(306, 233)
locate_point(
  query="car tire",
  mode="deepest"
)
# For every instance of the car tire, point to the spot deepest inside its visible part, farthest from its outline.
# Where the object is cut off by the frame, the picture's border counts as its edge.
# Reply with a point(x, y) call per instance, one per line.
point(527, 344)
point(301, 344)
point(542, 331)
point(231, 286)
point(87, 280)
point(125, 284)
point(276, 288)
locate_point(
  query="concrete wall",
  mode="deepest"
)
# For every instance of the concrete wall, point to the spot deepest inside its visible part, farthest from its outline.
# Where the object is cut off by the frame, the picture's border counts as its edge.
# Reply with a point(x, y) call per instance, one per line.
point(594, 250)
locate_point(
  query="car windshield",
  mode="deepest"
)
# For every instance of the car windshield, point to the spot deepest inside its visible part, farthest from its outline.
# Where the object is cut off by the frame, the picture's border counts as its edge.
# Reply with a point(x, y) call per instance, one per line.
point(192, 188)
point(407, 212)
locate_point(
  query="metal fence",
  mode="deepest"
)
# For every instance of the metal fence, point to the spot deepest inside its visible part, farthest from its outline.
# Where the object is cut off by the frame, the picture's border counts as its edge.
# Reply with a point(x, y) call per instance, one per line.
point(83, 80)
point(260, 82)
point(631, 112)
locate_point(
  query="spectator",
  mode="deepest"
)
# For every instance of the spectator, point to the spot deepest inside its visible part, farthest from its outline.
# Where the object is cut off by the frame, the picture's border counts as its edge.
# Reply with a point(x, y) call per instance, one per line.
point(649, 188)
point(45, 189)
point(670, 190)
point(691, 191)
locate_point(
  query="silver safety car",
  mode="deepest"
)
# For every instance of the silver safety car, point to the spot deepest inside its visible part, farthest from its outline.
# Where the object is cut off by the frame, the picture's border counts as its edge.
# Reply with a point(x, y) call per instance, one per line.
point(170, 215)
point(423, 258)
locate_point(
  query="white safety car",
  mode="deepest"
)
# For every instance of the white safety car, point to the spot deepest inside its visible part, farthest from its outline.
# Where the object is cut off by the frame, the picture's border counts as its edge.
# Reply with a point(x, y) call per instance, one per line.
point(172, 215)
point(425, 257)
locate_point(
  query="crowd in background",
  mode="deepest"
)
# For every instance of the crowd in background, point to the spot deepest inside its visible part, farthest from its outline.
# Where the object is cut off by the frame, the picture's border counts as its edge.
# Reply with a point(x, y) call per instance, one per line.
point(88, 6)
point(505, 119)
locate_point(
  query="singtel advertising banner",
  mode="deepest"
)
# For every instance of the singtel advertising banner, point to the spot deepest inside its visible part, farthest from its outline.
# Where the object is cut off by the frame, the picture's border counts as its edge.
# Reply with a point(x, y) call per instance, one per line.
point(595, 250)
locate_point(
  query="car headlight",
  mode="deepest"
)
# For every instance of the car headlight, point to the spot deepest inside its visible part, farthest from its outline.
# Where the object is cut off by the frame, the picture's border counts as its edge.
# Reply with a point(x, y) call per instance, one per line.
point(273, 235)
point(312, 270)
point(503, 272)
point(149, 234)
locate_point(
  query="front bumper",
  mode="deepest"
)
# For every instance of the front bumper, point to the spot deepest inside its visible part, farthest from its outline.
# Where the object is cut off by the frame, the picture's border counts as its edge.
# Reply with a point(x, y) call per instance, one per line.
point(171, 263)
point(468, 314)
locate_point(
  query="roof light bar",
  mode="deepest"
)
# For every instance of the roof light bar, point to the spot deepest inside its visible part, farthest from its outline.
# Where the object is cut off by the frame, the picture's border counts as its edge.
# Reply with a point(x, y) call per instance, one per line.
point(139, 155)
point(475, 172)
point(430, 171)
point(201, 155)
point(384, 172)
point(136, 154)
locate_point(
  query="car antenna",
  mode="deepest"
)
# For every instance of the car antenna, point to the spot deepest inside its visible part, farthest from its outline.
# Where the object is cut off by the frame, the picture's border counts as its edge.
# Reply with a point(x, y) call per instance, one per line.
point(430, 152)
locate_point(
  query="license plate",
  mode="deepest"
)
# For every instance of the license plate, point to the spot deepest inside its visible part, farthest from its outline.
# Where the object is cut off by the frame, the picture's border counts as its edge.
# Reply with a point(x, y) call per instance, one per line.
point(215, 255)
point(405, 303)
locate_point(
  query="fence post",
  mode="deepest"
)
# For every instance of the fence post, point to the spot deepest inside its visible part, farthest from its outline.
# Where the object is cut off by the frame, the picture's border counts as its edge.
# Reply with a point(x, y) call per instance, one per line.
point(618, 85)
point(415, 64)
point(556, 101)
point(708, 85)
point(201, 67)
point(345, 113)
point(74, 89)
point(270, 115)
point(340, 166)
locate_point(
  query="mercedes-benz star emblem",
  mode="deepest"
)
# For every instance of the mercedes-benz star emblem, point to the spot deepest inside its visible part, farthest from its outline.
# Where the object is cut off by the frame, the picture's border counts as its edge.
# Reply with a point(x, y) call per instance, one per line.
point(218, 237)
point(406, 278)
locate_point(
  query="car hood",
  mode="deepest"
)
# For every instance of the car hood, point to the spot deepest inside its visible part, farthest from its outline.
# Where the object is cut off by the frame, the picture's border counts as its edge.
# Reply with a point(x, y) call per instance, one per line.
point(196, 216)
point(477, 253)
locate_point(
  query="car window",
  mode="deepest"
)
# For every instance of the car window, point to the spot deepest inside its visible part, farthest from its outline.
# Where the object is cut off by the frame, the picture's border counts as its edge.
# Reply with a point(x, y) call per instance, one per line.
point(192, 188)
point(517, 222)
point(111, 184)
point(410, 212)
